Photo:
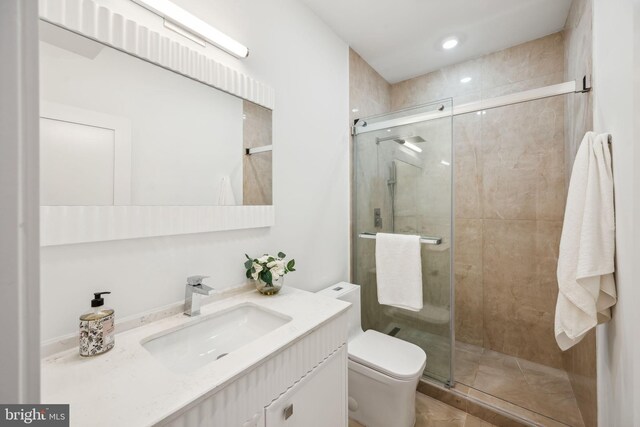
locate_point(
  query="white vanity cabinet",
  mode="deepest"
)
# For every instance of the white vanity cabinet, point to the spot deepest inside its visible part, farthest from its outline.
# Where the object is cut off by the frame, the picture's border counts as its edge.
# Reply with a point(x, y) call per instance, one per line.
point(302, 385)
point(318, 400)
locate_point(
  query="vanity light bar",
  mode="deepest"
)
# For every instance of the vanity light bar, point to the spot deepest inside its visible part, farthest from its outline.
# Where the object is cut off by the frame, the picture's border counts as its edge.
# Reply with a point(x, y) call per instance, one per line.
point(180, 17)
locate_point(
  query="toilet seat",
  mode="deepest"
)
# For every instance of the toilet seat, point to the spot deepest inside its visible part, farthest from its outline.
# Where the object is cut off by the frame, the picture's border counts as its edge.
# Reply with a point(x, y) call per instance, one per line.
point(388, 355)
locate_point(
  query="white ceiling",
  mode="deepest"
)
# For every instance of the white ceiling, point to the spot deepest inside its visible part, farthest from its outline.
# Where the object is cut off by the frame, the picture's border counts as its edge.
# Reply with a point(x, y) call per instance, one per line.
point(402, 38)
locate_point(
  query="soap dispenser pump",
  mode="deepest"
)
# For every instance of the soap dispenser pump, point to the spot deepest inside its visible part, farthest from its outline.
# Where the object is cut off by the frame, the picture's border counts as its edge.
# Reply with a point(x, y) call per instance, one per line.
point(97, 328)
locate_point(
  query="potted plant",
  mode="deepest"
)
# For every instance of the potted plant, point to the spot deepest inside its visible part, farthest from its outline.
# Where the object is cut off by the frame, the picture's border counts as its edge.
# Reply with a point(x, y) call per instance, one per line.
point(268, 271)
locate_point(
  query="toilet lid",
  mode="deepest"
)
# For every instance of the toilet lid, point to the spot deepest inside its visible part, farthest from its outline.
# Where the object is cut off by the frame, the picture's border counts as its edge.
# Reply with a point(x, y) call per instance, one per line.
point(389, 355)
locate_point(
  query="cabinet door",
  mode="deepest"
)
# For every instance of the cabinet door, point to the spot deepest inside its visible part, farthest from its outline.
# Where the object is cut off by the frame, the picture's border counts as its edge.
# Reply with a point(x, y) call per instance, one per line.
point(318, 400)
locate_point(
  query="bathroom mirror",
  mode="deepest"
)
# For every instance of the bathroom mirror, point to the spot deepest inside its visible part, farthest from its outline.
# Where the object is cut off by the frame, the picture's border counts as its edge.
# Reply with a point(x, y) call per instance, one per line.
point(117, 130)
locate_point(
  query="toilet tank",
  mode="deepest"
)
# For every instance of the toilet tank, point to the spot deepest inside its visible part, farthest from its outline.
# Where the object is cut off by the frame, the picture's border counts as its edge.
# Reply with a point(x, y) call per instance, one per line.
point(350, 293)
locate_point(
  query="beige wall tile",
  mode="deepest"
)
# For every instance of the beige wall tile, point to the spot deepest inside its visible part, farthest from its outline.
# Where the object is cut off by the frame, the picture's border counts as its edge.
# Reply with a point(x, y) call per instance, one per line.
point(368, 91)
point(519, 296)
point(468, 281)
point(371, 95)
point(523, 186)
point(440, 84)
point(523, 161)
point(527, 61)
point(467, 137)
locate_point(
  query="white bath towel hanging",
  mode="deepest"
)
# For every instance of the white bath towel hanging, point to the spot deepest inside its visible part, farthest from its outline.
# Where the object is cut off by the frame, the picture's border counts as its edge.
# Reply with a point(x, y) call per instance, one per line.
point(399, 270)
point(587, 247)
point(226, 197)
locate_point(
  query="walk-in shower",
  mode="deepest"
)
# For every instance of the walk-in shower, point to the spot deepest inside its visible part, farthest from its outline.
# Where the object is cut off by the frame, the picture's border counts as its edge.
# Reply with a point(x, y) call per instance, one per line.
point(508, 183)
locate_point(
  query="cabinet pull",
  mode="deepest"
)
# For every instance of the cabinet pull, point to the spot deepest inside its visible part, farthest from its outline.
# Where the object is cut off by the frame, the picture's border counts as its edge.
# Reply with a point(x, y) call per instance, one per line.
point(288, 411)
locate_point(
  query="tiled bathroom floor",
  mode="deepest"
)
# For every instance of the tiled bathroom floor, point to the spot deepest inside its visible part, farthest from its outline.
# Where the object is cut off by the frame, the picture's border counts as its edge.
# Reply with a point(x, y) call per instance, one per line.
point(433, 413)
point(533, 386)
point(487, 375)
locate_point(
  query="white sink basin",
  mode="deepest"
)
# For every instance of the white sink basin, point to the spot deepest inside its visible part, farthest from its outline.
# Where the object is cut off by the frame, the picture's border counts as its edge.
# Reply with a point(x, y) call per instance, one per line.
point(191, 346)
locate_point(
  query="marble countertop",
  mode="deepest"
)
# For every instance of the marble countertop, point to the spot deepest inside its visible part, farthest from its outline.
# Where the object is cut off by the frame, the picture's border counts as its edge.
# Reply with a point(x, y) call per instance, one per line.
point(128, 386)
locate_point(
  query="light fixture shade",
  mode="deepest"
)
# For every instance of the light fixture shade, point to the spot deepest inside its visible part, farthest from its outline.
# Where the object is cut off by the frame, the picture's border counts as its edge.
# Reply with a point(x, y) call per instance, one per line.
point(178, 16)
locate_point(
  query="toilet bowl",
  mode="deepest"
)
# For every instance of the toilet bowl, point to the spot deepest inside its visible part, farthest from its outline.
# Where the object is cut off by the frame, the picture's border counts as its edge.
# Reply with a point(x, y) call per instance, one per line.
point(383, 370)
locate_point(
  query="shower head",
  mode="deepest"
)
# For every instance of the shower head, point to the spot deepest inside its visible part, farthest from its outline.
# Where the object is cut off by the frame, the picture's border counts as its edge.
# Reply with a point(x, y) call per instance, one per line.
point(410, 142)
point(407, 141)
point(411, 139)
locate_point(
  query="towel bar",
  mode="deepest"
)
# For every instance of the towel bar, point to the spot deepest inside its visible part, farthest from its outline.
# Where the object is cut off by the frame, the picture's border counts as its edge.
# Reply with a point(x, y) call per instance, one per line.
point(427, 240)
point(256, 150)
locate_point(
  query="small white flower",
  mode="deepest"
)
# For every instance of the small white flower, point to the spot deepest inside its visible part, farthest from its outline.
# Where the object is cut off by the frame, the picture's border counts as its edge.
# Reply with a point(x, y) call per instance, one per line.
point(274, 276)
point(258, 267)
point(263, 259)
point(272, 264)
point(254, 276)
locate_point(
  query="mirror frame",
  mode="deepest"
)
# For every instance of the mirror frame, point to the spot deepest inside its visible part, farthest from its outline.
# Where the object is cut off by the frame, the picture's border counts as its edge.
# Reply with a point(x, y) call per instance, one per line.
point(61, 225)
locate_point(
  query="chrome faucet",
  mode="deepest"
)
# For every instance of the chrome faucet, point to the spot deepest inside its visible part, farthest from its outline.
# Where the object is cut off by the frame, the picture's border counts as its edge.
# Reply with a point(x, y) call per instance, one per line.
point(193, 289)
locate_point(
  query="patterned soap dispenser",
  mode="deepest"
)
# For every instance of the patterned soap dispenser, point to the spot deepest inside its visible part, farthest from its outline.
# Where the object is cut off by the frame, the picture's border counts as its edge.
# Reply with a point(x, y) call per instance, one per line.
point(97, 328)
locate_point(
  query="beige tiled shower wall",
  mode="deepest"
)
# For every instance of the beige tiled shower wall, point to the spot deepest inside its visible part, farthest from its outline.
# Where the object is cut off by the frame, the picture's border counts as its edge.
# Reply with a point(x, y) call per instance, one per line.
point(580, 361)
point(370, 95)
point(510, 195)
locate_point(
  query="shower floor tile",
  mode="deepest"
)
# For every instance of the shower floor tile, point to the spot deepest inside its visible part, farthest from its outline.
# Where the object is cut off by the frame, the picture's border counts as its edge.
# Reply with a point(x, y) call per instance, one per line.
point(431, 413)
point(536, 387)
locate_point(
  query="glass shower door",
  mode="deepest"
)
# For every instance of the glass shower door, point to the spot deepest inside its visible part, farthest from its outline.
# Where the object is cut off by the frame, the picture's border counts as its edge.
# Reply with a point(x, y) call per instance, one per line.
point(403, 184)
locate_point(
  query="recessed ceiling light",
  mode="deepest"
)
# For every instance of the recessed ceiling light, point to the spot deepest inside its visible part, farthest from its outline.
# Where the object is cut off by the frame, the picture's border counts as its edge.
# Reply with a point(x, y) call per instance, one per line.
point(450, 43)
point(465, 80)
point(354, 110)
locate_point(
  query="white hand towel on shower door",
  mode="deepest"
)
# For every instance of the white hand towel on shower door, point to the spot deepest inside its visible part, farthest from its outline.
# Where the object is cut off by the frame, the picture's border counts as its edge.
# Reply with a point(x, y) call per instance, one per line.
point(587, 246)
point(399, 270)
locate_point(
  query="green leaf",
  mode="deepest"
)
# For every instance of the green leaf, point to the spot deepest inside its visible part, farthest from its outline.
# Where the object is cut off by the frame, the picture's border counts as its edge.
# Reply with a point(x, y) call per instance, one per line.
point(267, 278)
point(247, 257)
point(281, 255)
point(248, 274)
point(292, 269)
point(270, 259)
point(291, 264)
point(248, 264)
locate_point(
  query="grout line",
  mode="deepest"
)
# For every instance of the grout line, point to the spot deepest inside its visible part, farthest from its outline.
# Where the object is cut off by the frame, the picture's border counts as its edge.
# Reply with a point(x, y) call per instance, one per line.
point(524, 376)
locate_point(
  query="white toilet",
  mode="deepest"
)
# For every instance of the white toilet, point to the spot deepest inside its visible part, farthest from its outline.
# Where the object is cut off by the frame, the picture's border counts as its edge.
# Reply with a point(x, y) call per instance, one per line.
point(383, 370)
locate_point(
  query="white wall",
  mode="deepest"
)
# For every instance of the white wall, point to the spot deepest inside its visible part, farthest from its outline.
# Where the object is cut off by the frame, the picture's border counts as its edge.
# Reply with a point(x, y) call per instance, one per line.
point(19, 261)
point(293, 51)
point(616, 32)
